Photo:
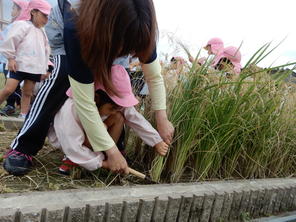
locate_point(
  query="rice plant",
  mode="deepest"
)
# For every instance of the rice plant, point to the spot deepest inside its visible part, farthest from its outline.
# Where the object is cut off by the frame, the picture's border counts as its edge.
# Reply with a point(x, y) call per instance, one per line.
point(241, 127)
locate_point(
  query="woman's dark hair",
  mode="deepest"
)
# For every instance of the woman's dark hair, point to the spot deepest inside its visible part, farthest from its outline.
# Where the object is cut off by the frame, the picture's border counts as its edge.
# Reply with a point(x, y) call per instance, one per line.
point(102, 98)
point(109, 29)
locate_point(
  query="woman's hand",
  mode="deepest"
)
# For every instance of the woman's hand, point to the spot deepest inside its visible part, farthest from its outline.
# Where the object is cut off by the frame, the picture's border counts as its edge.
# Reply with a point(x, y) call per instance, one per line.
point(164, 127)
point(161, 148)
point(12, 65)
point(115, 161)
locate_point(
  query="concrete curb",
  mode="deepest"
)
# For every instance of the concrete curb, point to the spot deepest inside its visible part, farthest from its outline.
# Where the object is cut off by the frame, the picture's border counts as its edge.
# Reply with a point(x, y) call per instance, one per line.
point(208, 201)
point(11, 123)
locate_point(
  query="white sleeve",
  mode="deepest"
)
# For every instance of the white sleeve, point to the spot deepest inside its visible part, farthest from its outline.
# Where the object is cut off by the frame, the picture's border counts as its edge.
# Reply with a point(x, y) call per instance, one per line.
point(141, 126)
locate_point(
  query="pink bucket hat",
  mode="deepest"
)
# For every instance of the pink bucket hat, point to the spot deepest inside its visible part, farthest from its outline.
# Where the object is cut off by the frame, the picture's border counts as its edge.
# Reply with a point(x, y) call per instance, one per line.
point(233, 54)
point(41, 5)
point(23, 5)
point(216, 45)
point(122, 84)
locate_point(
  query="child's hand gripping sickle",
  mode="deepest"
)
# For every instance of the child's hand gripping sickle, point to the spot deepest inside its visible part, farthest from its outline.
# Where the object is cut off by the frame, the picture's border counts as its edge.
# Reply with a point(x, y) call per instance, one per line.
point(161, 148)
point(115, 161)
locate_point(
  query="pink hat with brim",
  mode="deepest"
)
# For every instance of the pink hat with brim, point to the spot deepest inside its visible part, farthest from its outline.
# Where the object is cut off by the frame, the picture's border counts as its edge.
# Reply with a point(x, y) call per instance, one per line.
point(233, 54)
point(23, 5)
point(41, 5)
point(216, 44)
point(122, 83)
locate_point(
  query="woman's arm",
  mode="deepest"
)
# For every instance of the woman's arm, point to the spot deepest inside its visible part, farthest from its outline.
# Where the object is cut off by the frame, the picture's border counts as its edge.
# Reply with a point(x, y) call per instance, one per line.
point(83, 95)
point(99, 138)
point(152, 72)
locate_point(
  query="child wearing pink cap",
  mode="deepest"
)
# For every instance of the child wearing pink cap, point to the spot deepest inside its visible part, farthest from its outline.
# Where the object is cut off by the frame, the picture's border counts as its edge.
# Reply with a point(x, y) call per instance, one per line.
point(17, 14)
point(214, 47)
point(27, 50)
point(229, 60)
point(115, 111)
point(19, 10)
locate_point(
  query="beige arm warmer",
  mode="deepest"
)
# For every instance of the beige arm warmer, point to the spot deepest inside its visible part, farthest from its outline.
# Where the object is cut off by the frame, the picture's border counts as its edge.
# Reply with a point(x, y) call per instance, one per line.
point(152, 73)
point(83, 95)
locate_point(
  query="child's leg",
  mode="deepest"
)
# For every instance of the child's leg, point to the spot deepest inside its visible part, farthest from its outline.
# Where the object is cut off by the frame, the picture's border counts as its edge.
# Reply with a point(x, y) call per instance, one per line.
point(115, 125)
point(15, 97)
point(9, 88)
point(27, 93)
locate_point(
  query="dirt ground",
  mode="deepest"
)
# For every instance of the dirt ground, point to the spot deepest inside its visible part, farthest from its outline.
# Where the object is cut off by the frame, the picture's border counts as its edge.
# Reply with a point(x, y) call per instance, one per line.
point(45, 175)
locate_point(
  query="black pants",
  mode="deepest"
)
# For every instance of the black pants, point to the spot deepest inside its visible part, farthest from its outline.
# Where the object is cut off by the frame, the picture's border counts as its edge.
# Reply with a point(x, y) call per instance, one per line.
point(47, 103)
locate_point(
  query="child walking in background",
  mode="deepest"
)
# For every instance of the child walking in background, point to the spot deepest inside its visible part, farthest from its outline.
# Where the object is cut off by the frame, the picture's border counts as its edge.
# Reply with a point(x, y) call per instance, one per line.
point(27, 51)
point(115, 111)
point(17, 14)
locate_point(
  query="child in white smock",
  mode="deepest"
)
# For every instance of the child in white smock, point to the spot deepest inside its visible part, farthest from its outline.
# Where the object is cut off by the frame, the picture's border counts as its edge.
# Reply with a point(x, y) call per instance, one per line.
point(27, 50)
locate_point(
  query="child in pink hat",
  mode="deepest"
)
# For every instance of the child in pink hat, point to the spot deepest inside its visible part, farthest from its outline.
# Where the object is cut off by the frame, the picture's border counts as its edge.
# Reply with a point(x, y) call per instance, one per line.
point(231, 57)
point(115, 111)
point(17, 14)
point(19, 10)
point(27, 50)
point(214, 46)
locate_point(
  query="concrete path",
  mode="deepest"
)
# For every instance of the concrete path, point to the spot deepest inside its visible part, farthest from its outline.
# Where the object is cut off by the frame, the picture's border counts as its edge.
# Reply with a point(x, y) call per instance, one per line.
point(11, 123)
point(208, 201)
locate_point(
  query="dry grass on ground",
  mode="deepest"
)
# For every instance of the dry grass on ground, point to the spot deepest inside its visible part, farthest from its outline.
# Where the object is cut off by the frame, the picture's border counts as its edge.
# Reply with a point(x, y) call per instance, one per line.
point(45, 175)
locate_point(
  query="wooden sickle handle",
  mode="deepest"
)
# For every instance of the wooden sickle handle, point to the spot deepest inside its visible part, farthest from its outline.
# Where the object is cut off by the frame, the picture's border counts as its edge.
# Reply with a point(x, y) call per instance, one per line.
point(137, 173)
